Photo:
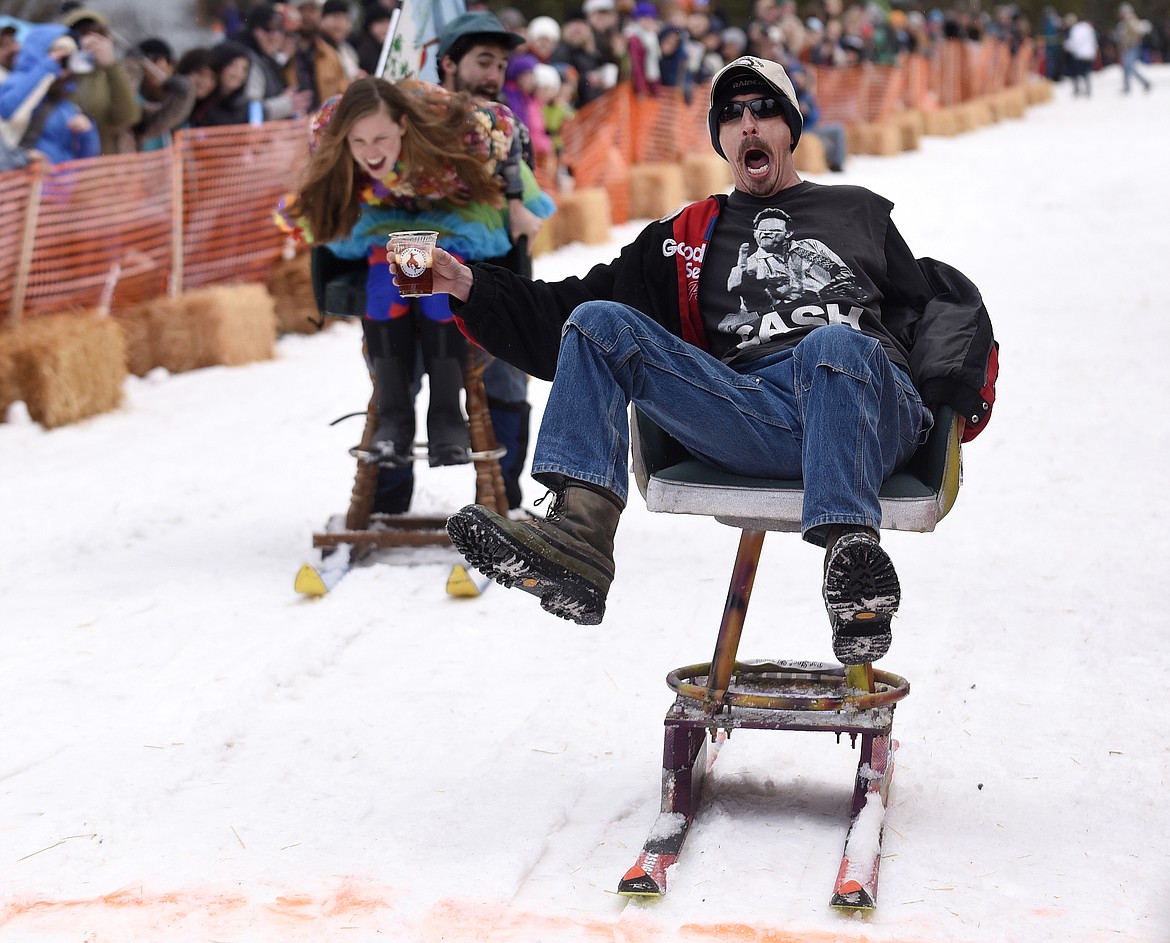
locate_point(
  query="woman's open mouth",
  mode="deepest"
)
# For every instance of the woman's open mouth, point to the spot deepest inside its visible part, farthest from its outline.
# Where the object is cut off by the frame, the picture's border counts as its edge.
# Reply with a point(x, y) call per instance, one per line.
point(376, 164)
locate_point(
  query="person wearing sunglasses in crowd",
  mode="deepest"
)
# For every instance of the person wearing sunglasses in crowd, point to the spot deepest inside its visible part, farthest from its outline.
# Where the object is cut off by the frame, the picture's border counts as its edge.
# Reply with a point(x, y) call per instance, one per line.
point(831, 383)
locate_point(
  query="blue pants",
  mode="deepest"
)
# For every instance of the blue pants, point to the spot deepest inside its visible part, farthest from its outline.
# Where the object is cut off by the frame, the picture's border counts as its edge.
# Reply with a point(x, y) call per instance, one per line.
point(832, 410)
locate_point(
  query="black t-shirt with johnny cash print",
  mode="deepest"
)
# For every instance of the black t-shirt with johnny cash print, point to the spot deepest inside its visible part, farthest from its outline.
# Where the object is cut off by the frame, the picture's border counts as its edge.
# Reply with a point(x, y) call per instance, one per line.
point(778, 267)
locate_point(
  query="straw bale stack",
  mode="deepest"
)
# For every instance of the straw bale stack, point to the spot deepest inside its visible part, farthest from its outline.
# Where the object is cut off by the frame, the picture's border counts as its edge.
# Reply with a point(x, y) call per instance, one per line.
point(227, 324)
point(879, 138)
point(546, 238)
point(65, 367)
point(582, 216)
point(941, 123)
point(235, 324)
point(1037, 91)
point(704, 174)
point(291, 286)
point(9, 388)
point(135, 324)
point(809, 156)
point(656, 190)
point(911, 126)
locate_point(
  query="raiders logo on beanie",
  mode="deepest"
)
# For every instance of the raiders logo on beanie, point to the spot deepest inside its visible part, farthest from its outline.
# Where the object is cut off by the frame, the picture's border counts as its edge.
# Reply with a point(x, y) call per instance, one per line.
point(748, 74)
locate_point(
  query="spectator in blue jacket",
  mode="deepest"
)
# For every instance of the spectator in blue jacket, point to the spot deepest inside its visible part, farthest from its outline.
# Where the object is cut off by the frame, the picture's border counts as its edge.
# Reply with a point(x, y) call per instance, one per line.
point(34, 99)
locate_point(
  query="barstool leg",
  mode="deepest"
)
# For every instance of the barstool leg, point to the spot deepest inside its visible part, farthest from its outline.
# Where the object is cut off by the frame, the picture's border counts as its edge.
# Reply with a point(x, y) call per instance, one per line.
point(739, 594)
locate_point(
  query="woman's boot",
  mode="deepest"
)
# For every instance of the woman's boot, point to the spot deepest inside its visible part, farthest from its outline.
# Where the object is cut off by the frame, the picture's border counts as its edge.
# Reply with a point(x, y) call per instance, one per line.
point(445, 357)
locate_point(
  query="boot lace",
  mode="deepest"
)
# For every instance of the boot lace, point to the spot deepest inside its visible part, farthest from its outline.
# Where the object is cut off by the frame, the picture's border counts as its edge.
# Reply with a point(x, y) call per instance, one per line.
point(555, 508)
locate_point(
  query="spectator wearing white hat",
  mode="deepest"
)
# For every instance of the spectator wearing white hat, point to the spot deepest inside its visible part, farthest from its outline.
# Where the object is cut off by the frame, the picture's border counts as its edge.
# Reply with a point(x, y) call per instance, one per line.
point(544, 35)
point(602, 17)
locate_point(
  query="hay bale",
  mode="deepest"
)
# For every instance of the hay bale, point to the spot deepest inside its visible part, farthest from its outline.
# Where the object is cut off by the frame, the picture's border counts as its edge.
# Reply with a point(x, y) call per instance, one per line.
point(1037, 91)
point(9, 385)
point(231, 324)
point(291, 286)
point(911, 126)
point(135, 325)
point(545, 240)
point(656, 190)
point(1014, 102)
point(582, 216)
point(176, 342)
point(704, 174)
point(880, 138)
point(809, 156)
point(69, 366)
point(941, 123)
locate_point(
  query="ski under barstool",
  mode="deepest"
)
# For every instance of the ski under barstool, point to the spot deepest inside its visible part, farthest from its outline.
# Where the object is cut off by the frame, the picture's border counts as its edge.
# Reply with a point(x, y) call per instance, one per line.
point(714, 698)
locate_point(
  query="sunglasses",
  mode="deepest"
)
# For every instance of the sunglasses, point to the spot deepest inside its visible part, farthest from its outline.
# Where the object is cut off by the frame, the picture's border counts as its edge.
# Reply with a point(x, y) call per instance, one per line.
point(760, 107)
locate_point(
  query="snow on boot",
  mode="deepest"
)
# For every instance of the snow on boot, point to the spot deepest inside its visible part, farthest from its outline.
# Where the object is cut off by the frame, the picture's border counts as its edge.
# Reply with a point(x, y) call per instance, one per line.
point(861, 593)
point(566, 559)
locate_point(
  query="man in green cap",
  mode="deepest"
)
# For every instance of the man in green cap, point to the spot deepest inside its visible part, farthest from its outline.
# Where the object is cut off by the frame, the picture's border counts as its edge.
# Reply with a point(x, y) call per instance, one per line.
point(473, 54)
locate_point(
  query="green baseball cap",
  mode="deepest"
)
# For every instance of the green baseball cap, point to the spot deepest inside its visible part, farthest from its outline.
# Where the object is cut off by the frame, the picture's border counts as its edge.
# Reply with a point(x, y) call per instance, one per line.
point(476, 24)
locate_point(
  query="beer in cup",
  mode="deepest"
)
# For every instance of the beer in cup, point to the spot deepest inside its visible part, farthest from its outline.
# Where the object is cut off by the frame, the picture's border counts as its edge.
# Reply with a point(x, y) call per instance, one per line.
point(412, 255)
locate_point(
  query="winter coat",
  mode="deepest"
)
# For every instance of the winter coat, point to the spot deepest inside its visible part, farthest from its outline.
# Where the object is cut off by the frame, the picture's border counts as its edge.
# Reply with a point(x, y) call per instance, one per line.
point(170, 112)
point(321, 65)
point(933, 320)
point(24, 105)
point(108, 97)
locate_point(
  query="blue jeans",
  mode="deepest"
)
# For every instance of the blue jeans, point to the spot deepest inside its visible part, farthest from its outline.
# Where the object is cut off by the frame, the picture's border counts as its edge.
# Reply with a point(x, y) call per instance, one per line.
point(832, 410)
point(1129, 67)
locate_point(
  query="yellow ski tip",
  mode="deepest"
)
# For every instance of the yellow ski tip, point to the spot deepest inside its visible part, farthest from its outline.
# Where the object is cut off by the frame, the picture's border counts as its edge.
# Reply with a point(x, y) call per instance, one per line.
point(309, 582)
point(460, 583)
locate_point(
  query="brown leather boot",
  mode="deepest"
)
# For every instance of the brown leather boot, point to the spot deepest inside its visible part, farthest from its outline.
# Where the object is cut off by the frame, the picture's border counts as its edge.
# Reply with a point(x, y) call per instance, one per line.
point(565, 559)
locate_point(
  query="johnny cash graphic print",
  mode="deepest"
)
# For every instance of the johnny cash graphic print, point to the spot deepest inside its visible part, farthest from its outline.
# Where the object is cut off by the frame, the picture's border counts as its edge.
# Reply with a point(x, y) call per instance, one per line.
point(775, 269)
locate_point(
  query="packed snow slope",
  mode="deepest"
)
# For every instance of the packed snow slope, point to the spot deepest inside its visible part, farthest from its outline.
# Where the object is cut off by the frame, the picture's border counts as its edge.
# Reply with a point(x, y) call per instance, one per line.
point(190, 752)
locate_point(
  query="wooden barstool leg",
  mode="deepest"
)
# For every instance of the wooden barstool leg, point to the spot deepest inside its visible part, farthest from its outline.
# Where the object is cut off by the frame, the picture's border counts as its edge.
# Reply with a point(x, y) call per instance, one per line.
point(489, 480)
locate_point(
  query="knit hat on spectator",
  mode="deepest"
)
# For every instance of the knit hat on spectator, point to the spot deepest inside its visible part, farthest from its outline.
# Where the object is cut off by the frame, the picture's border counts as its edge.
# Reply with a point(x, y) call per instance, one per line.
point(264, 16)
point(335, 6)
point(547, 76)
point(84, 20)
point(521, 65)
point(598, 6)
point(750, 74)
point(459, 35)
point(374, 13)
point(645, 10)
point(544, 27)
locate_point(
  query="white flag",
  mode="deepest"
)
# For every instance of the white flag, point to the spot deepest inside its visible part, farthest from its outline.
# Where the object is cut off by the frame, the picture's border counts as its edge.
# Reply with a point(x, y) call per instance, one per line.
point(416, 39)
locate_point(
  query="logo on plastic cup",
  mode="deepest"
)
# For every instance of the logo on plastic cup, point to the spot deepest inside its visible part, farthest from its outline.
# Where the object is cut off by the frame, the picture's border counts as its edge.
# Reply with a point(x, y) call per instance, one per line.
point(412, 261)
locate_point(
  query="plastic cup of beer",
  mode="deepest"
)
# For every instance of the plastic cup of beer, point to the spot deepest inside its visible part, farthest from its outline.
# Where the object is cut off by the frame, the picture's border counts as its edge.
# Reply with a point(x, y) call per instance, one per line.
point(412, 254)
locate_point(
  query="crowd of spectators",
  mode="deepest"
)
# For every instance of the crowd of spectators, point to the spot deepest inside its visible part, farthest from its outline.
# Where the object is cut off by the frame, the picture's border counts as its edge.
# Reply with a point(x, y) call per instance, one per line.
point(75, 87)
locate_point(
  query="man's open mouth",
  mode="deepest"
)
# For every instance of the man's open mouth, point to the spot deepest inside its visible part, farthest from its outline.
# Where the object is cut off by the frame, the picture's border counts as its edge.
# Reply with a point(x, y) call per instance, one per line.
point(756, 161)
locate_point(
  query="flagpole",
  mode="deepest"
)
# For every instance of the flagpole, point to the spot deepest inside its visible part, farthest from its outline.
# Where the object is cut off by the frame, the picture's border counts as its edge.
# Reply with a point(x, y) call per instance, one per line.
point(386, 43)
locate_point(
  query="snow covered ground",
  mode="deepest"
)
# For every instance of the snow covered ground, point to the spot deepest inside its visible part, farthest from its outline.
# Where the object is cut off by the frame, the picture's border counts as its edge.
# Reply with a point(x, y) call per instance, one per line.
point(189, 752)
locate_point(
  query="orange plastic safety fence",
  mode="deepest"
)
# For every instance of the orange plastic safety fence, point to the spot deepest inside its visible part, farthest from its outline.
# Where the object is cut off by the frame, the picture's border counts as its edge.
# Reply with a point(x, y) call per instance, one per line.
point(881, 91)
point(232, 178)
point(103, 231)
point(839, 92)
point(114, 231)
point(593, 149)
point(15, 187)
point(946, 73)
point(918, 93)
